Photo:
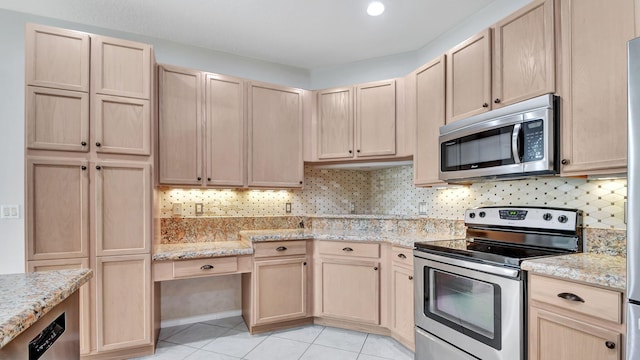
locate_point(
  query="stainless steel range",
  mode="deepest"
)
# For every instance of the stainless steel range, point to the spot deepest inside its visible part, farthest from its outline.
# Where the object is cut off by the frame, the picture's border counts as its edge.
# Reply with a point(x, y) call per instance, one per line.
point(470, 297)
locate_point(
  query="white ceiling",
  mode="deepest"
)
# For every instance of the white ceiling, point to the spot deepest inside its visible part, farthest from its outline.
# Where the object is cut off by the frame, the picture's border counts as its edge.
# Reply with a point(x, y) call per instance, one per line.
point(303, 33)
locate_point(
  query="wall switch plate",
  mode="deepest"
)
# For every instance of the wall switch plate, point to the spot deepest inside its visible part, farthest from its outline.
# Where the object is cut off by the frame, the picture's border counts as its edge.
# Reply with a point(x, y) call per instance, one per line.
point(199, 209)
point(422, 208)
point(176, 209)
point(352, 207)
point(10, 212)
point(287, 208)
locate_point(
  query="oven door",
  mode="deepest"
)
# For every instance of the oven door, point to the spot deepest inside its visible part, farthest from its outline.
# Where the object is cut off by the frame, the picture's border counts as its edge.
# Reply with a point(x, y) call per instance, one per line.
point(474, 310)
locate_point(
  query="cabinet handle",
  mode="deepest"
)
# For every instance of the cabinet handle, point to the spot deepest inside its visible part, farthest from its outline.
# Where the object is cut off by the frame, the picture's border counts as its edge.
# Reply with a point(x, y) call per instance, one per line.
point(610, 344)
point(199, 178)
point(281, 248)
point(496, 101)
point(375, 268)
point(347, 249)
point(571, 297)
point(206, 267)
point(84, 143)
point(98, 144)
point(485, 105)
point(83, 167)
point(402, 256)
point(564, 161)
point(98, 167)
point(410, 277)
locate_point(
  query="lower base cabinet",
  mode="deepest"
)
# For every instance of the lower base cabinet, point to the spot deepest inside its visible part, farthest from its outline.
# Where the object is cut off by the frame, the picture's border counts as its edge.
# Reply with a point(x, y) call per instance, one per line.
point(280, 289)
point(402, 320)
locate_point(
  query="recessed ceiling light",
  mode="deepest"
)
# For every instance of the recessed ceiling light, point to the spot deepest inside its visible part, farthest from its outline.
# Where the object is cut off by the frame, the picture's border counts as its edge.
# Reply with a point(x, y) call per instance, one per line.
point(375, 8)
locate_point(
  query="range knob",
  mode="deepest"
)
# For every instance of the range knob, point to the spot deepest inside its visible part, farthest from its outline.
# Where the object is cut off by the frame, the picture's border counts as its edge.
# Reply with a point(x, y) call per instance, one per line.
point(547, 216)
point(482, 214)
point(472, 215)
point(563, 218)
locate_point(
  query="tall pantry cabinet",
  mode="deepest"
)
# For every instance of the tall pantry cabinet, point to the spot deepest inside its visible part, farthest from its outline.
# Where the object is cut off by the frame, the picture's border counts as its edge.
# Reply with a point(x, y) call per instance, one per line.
point(89, 179)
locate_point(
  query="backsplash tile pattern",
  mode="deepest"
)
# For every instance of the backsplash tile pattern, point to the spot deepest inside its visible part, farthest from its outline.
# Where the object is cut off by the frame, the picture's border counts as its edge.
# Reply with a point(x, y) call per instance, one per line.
point(391, 191)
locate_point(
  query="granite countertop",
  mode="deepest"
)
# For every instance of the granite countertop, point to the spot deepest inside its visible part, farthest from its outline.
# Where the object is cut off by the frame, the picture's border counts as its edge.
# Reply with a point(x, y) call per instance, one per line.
point(595, 269)
point(25, 298)
point(201, 250)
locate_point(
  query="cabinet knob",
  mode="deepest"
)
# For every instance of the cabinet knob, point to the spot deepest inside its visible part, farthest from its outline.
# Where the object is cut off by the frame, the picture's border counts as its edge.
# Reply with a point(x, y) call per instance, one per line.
point(98, 144)
point(98, 167)
point(350, 151)
point(347, 249)
point(208, 179)
point(84, 143)
point(485, 105)
point(410, 277)
point(496, 101)
point(610, 344)
point(300, 182)
point(375, 268)
point(199, 178)
point(83, 167)
point(358, 150)
point(206, 267)
point(570, 297)
point(281, 248)
point(304, 263)
point(564, 161)
point(402, 256)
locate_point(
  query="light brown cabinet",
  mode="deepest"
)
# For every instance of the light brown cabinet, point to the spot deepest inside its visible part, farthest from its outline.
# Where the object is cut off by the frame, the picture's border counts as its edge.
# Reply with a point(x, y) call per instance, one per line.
point(402, 319)
point(510, 62)
point(121, 125)
point(569, 320)
point(335, 123)
point(274, 136)
point(430, 116)
point(594, 85)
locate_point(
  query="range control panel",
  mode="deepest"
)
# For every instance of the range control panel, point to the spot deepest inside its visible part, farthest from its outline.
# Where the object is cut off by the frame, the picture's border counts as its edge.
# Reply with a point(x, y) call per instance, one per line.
point(525, 217)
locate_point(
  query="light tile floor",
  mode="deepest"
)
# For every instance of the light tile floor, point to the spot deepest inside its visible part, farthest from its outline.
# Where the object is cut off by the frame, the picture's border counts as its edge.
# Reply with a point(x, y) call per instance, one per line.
point(228, 339)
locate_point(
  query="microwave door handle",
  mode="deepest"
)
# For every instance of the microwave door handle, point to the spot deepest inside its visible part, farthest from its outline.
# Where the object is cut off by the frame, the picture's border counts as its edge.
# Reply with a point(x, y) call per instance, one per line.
point(514, 142)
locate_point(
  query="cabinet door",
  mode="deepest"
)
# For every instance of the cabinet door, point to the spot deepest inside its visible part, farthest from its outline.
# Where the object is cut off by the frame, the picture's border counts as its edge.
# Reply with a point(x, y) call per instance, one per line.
point(430, 115)
point(122, 125)
point(225, 129)
point(122, 208)
point(553, 337)
point(335, 123)
point(376, 119)
point(180, 124)
point(80, 263)
point(57, 58)
point(469, 77)
point(594, 85)
point(402, 321)
point(350, 290)
point(524, 54)
point(120, 67)
point(123, 302)
point(280, 290)
point(57, 208)
point(275, 136)
point(57, 119)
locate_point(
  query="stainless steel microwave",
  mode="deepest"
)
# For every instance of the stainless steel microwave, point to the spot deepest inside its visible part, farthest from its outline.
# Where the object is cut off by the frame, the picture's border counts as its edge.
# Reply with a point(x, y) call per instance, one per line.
point(511, 142)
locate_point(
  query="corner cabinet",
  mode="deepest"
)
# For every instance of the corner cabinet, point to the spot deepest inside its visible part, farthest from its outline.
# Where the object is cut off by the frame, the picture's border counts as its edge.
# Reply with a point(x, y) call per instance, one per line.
point(275, 136)
point(569, 320)
point(594, 85)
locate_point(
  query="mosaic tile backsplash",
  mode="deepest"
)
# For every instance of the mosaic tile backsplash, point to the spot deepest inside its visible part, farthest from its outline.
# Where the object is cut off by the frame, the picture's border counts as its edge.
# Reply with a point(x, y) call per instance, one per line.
point(391, 191)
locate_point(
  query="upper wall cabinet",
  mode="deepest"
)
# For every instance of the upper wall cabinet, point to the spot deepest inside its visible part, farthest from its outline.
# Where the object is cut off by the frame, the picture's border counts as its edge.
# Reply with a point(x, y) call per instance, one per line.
point(275, 136)
point(120, 67)
point(335, 123)
point(594, 84)
point(376, 119)
point(521, 56)
point(57, 58)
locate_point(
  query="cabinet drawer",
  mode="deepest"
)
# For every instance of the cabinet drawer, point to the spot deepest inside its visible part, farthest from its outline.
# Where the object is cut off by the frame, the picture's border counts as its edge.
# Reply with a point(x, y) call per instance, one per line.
point(401, 255)
point(349, 249)
point(280, 248)
point(584, 299)
point(204, 267)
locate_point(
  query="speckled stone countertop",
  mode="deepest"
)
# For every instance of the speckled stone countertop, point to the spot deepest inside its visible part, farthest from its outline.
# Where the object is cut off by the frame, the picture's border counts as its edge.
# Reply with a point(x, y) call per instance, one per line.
point(595, 269)
point(201, 250)
point(406, 240)
point(25, 298)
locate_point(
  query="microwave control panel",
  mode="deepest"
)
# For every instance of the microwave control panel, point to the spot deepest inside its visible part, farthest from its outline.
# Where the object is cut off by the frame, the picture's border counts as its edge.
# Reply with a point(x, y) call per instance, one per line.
point(533, 132)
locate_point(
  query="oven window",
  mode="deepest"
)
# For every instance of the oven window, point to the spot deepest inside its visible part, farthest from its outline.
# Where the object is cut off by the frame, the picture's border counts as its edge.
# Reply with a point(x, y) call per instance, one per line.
point(486, 149)
point(467, 305)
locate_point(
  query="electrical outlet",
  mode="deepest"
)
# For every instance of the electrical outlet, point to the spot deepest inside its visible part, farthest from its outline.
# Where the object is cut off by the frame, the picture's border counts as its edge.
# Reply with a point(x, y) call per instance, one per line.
point(10, 212)
point(422, 208)
point(287, 208)
point(199, 209)
point(352, 207)
point(176, 209)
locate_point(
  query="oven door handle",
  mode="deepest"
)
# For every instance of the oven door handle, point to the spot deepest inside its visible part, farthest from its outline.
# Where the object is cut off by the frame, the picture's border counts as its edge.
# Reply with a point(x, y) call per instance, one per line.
point(515, 142)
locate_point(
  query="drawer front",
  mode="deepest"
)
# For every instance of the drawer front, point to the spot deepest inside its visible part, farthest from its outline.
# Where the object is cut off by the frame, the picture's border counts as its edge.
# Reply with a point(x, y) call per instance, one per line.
point(584, 299)
point(401, 255)
point(279, 248)
point(204, 267)
point(345, 248)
